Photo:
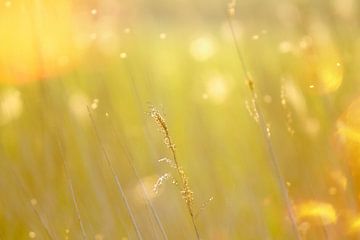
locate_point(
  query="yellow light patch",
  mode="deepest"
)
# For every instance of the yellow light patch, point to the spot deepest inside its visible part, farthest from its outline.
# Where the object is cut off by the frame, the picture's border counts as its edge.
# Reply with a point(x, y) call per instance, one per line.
point(316, 210)
point(202, 48)
point(217, 89)
point(36, 40)
point(330, 75)
point(355, 225)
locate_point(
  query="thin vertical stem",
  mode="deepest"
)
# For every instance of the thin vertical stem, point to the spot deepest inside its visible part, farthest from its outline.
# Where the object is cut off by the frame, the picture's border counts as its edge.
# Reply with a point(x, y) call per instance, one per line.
point(116, 178)
point(38, 214)
point(178, 168)
point(71, 189)
point(146, 195)
point(147, 138)
point(172, 149)
point(273, 159)
point(185, 189)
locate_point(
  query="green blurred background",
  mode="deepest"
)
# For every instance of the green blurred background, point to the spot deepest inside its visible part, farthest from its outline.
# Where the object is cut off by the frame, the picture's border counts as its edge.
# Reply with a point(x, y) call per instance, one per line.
point(63, 62)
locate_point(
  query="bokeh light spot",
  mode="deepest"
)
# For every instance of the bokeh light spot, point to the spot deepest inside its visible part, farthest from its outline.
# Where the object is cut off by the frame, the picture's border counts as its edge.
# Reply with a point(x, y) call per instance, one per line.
point(202, 48)
point(315, 210)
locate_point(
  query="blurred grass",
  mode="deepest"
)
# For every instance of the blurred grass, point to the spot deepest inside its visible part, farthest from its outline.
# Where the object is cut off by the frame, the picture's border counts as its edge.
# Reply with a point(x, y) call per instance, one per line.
point(194, 77)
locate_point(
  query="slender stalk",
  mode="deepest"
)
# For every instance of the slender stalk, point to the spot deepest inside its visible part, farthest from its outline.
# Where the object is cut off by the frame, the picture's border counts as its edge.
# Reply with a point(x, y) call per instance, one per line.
point(38, 214)
point(40, 217)
point(71, 189)
point(273, 159)
point(146, 132)
point(146, 195)
point(184, 183)
point(116, 178)
point(186, 192)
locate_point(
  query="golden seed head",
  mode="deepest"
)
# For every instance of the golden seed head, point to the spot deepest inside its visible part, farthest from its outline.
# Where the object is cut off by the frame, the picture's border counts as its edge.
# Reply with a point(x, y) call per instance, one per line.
point(160, 121)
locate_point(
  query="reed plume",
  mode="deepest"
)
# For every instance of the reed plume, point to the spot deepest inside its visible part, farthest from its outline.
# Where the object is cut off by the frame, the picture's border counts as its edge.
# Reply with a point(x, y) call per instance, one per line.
point(186, 192)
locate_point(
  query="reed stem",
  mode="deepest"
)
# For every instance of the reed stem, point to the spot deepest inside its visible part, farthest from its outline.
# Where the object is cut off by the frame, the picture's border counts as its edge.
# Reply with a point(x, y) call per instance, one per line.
point(273, 159)
point(115, 177)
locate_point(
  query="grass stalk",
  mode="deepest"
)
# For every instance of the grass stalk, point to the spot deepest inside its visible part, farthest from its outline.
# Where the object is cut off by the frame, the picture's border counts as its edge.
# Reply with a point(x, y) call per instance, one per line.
point(72, 191)
point(137, 175)
point(261, 120)
point(116, 178)
point(129, 155)
point(186, 192)
point(38, 214)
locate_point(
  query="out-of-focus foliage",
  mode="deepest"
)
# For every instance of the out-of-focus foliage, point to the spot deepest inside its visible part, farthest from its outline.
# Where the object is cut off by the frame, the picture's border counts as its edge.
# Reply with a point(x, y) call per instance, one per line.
point(79, 78)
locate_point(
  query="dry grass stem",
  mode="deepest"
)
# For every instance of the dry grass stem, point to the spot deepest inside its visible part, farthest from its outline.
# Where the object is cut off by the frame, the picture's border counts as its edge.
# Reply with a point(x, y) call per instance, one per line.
point(265, 133)
point(186, 192)
point(116, 178)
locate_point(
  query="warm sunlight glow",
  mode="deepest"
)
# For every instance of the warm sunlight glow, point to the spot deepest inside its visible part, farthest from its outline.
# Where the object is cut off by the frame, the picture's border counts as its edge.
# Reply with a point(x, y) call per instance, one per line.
point(11, 106)
point(355, 225)
point(330, 76)
point(36, 40)
point(339, 178)
point(202, 48)
point(325, 62)
point(316, 210)
point(348, 135)
point(215, 120)
point(78, 103)
point(349, 123)
point(216, 89)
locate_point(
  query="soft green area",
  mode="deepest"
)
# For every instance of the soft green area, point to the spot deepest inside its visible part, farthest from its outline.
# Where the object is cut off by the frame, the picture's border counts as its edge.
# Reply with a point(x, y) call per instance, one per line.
point(286, 46)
